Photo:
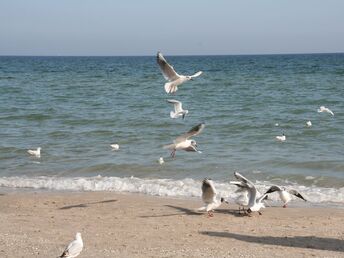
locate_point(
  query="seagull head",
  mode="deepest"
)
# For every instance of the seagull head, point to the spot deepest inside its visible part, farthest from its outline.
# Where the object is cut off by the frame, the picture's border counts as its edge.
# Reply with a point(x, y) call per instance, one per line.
point(78, 235)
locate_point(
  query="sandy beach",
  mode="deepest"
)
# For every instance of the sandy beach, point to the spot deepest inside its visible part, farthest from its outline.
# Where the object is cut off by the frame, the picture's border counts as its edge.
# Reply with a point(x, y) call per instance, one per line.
point(128, 225)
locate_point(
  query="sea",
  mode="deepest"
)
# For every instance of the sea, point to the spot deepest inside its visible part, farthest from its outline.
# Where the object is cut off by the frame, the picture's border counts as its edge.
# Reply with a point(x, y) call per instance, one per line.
point(74, 108)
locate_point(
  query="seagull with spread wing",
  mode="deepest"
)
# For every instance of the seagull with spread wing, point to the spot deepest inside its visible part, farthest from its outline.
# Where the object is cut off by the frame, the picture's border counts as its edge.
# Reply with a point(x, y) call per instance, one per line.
point(173, 78)
point(184, 142)
point(178, 109)
point(284, 194)
point(209, 195)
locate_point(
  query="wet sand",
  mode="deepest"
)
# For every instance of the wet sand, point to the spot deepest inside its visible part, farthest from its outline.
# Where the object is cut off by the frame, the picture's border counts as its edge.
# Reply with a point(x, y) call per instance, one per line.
point(128, 225)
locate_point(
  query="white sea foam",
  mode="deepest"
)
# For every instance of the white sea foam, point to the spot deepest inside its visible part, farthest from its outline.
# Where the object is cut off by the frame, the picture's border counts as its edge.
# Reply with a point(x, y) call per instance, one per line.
point(160, 187)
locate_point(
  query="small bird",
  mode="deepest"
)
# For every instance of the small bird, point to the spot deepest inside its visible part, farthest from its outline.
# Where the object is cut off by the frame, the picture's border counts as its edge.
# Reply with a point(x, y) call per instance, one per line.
point(277, 124)
point(74, 248)
point(209, 194)
point(115, 147)
point(172, 76)
point(36, 153)
point(284, 194)
point(309, 123)
point(281, 138)
point(184, 143)
point(255, 203)
point(161, 160)
point(325, 109)
point(178, 110)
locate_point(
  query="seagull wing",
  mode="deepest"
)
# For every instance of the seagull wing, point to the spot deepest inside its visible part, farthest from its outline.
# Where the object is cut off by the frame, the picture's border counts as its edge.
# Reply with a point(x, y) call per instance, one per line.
point(274, 188)
point(239, 184)
point(297, 194)
point(166, 69)
point(208, 190)
point(74, 248)
point(193, 131)
point(177, 105)
point(243, 179)
point(196, 74)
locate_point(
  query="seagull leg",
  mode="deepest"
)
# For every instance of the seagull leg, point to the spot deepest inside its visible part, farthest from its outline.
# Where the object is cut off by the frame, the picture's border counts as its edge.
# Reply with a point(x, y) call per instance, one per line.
point(260, 213)
point(285, 206)
point(210, 214)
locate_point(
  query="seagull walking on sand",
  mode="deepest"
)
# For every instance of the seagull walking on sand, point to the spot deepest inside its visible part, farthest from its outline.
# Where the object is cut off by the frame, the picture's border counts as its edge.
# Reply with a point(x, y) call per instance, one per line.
point(178, 109)
point(309, 123)
point(114, 147)
point(325, 109)
point(285, 195)
point(209, 195)
point(281, 138)
point(255, 203)
point(184, 143)
point(36, 153)
point(74, 248)
point(173, 78)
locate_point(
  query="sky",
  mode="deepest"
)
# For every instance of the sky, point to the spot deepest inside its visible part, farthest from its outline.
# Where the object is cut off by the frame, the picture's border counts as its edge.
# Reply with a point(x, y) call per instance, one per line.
point(178, 27)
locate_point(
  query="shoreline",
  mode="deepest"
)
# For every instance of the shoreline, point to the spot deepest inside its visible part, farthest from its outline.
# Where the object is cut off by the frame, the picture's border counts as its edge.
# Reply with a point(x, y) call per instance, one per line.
point(40, 224)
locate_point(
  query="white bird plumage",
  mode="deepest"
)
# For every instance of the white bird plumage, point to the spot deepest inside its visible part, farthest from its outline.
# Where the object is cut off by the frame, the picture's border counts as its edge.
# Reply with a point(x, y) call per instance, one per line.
point(325, 109)
point(178, 109)
point(209, 197)
point(74, 248)
point(309, 123)
point(284, 194)
point(36, 153)
point(173, 78)
point(281, 138)
point(184, 143)
point(161, 160)
point(115, 146)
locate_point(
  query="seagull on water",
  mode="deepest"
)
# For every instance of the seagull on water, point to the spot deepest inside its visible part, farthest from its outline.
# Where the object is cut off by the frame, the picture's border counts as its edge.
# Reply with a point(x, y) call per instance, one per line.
point(173, 78)
point(325, 109)
point(209, 194)
point(115, 147)
point(178, 110)
point(255, 203)
point(184, 143)
point(281, 138)
point(74, 248)
point(36, 153)
point(284, 194)
point(309, 123)
point(161, 160)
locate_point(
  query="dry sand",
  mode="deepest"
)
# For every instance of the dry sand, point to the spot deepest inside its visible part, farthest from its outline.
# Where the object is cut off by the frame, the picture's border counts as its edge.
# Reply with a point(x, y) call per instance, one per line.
point(128, 225)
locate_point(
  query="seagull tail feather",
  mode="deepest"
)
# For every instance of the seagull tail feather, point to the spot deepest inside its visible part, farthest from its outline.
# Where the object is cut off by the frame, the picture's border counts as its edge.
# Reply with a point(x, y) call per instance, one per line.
point(170, 88)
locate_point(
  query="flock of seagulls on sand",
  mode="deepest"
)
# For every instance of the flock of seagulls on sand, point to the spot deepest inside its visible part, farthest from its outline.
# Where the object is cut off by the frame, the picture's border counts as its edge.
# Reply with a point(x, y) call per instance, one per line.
point(249, 198)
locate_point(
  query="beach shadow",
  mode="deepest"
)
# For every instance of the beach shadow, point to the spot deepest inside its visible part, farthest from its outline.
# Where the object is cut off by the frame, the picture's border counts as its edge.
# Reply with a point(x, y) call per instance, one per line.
point(312, 242)
point(85, 205)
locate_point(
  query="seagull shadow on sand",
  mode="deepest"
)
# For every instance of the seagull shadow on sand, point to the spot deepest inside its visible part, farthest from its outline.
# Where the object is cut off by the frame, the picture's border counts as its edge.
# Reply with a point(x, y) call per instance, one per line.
point(311, 242)
point(85, 205)
point(193, 212)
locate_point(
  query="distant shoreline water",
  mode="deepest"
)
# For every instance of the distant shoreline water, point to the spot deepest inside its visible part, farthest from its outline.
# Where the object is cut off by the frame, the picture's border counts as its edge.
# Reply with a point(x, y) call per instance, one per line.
point(75, 107)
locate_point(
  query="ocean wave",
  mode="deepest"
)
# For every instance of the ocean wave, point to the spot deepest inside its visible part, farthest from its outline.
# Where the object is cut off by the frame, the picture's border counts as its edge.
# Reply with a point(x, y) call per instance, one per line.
point(162, 187)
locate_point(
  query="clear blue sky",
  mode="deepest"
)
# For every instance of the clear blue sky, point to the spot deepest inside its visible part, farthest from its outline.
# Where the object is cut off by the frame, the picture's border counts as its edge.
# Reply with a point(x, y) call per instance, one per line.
point(178, 27)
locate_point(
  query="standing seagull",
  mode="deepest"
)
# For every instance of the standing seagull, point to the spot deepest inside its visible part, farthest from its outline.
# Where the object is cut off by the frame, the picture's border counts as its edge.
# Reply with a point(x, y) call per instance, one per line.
point(325, 109)
point(172, 76)
point(254, 203)
point(242, 198)
point(209, 194)
point(36, 153)
point(284, 194)
point(178, 109)
point(184, 143)
point(74, 248)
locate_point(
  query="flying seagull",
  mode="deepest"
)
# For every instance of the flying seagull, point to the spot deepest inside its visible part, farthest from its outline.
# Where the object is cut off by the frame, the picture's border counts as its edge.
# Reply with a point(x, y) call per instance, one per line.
point(325, 109)
point(255, 203)
point(209, 194)
point(173, 78)
point(284, 194)
point(178, 109)
point(74, 248)
point(184, 143)
point(36, 153)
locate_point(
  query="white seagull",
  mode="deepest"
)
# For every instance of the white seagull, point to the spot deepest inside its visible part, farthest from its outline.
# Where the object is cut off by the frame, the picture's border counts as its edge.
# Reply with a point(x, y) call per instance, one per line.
point(281, 138)
point(284, 194)
point(242, 197)
point(36, 153)
point(209, 194)
point(74, 248)
point(115, 147)
point(184, 143)
point(325, 109)
point(255, 203)
point(161, 160)
point(309, 123)
point(178, 109)
point(172, 76)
